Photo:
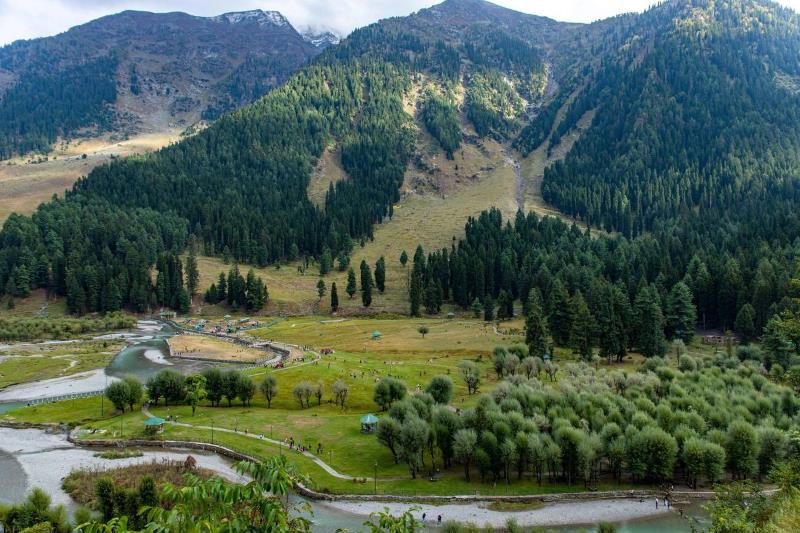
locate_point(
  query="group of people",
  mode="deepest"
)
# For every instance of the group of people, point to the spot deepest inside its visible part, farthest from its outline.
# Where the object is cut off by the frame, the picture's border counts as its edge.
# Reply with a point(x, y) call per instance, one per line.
point(299, 448)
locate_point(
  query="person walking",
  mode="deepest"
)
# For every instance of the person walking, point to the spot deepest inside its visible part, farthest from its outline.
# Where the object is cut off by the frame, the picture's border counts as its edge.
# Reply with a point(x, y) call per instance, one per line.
point(656, 502)
point(439, 520)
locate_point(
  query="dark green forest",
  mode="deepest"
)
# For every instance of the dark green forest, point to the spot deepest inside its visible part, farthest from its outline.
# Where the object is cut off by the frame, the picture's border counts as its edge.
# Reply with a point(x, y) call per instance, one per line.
point(48, 103)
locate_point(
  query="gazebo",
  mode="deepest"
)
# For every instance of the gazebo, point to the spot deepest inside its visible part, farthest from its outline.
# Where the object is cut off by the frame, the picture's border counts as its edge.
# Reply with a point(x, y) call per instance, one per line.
point(369, 423)
point(376, 335)
point(154, 425)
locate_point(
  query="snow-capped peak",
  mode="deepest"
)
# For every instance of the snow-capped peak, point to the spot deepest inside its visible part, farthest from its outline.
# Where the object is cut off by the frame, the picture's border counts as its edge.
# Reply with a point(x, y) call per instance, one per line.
point(262, 18)
point(321, 39)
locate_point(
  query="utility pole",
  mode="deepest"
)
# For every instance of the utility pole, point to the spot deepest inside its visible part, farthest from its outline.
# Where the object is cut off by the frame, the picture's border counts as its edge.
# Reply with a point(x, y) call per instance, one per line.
point(376, 478)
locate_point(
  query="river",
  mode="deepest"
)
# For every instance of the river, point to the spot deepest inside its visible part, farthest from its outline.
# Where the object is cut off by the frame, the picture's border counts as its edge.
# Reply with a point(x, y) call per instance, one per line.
point(145, 353)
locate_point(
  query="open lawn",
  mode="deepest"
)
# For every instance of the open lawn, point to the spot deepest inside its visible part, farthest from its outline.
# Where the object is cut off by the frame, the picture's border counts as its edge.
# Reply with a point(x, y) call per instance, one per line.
point(198, 347)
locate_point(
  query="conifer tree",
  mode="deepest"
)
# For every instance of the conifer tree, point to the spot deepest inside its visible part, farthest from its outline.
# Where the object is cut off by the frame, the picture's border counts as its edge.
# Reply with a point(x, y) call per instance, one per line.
point(583, 328)
point(681, 316)
point(351, 283)
point(380, 274)
point(334, 298)
point(536, 330)
point(649, 323)
point(366, 284)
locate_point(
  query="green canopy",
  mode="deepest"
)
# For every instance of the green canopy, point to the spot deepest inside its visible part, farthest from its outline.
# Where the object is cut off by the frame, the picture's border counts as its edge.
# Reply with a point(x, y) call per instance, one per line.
point(369, 419)
point(154, 421)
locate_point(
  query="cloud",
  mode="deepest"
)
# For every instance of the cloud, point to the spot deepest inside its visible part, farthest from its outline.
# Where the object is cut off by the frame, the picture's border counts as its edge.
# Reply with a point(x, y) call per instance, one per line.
point(24, 19)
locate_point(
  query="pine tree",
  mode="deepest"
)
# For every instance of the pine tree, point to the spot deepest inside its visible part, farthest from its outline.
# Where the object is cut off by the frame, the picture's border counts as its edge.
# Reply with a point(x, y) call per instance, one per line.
point(334, 298)
point(415, 288)
point(222, 288)
point(745, 323)
point(192, 273)
point(649, 323)
point(380, 274)
point(366, 284)
point(681, 316)
point(536, 330)
point(611, 316)
point(561, 317)
point(320, 288)
point(325, 261)
point(476, 307)
point(505, 305)
point(351, 283)
point(583, 328)
point(403, 258)
point(488, 309)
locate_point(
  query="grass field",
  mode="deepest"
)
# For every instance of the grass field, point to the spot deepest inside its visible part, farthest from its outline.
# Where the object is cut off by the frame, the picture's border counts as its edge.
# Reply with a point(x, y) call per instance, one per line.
point(207, 348)
point(25, 183)
point(22, 363)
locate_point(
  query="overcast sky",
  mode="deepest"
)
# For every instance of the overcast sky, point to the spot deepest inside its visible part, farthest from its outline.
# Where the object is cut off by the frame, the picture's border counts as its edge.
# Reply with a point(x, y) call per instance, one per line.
point(24, 19)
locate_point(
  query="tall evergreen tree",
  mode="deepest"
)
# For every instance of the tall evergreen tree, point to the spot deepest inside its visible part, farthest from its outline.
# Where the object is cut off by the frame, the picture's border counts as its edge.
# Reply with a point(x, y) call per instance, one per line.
point(681, 318)
point(192, 273)
point(380, 274)
point(334, 298)
point(351, 283)
point(536, 330)
point(366, 284)
point(649, 323)
point(582, 334)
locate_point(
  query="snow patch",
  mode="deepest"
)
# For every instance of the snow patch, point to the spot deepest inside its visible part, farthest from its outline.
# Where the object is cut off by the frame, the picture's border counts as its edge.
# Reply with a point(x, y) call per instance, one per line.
point(262, 18)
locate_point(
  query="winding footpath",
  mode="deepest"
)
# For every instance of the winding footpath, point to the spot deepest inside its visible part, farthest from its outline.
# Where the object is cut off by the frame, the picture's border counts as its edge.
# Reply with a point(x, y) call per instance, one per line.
point(319, 462)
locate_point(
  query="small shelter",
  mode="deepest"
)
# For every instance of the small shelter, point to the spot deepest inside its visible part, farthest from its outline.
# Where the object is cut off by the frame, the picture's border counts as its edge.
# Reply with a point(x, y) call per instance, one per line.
point(154, 425)
point(376, 335)
point(369, 423)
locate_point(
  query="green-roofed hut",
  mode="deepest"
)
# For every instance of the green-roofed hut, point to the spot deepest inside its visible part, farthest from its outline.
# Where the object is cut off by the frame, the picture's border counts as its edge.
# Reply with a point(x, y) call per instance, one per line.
point(376, 335)
point(154, 425)
point(369, 423)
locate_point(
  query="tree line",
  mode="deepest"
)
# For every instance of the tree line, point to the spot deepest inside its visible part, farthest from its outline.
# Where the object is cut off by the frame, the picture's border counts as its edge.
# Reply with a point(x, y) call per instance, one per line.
point(712, 418)
point(638, 291)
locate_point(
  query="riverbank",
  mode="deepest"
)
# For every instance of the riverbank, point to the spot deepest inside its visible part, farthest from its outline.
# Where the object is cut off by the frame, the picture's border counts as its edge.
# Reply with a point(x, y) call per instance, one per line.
point(45, 459)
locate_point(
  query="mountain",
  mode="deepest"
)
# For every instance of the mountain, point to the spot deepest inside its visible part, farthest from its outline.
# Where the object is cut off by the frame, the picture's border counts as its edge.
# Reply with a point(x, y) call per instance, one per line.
point(139, 72)
point(321, 39)
point(688, 158)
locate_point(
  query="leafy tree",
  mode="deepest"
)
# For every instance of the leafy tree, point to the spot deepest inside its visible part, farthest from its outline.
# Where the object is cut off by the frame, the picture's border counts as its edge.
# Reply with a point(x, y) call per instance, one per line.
point(214, 385)
point(195, 390)
point(412, 440)
point(387, 391)
point(230, 385)
point(388, 433)
point(741, 447)
point(340, 390)
point(441, 388)
point(423, 330)
point(117, 393)
point(269, 388)
point(134, 391)
point(471, 375)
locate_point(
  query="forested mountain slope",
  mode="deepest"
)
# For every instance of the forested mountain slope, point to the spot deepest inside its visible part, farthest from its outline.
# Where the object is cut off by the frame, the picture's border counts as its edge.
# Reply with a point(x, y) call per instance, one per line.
point(138, 71)
point(690, 159)
point(691, 154)
point(241, 184)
